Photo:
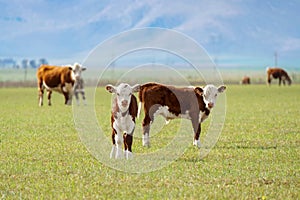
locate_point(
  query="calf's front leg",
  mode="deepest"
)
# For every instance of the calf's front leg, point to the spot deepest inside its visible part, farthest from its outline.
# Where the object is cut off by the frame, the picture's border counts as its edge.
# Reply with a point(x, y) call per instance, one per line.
point(118, 142)
point(146, 130)
point(204, 115)
point(128, 138)
point(114, 148)
point(197, 130)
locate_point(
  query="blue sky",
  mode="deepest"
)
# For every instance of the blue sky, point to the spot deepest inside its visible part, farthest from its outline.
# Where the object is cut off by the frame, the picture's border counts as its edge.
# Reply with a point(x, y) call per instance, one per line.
point(238, 33)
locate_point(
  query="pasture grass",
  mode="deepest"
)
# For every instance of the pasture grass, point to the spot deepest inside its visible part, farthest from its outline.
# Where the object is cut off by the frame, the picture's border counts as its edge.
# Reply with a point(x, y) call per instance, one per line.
point(257, 155)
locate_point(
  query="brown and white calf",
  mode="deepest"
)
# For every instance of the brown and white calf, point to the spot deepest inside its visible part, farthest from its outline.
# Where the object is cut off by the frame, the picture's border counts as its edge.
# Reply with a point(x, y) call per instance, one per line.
point(193, 103)
point(279, 73)
point(59, 79)
point(123, 114)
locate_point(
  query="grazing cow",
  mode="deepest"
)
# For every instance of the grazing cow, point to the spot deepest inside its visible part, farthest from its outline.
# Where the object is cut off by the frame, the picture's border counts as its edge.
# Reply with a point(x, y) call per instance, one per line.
point(60, 79)
point(79, 89)
point(193, 103)
point(246, 80)
point(278, 73)
point(124, 112)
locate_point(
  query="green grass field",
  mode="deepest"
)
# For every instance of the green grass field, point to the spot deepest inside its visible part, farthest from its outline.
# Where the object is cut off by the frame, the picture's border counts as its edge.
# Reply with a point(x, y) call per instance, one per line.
point(257, 155)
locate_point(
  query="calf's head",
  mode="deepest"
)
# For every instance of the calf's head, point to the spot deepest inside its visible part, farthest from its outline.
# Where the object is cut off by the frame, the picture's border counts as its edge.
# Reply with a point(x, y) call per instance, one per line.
point(123, 94)
point(210, 93)
point(76, 69)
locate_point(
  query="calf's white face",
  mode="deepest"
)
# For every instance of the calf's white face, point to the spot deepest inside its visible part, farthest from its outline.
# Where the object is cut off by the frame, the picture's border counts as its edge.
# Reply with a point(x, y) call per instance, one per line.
point(210, 93)
point(76, 70)
point(123, 94)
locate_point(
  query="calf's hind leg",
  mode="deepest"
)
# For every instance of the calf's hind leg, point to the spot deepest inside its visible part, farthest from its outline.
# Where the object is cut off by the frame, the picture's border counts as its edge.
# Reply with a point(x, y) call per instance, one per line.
point(148, 119)
point(83, 97)
point(118, 141)
point(146, 130)
point(41, 92)
point(49, 92)
point(41, 95)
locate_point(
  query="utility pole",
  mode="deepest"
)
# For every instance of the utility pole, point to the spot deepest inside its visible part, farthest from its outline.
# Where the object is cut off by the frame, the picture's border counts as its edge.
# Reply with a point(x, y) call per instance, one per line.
point(113, 67)
point(275, 58)
point(25, 66)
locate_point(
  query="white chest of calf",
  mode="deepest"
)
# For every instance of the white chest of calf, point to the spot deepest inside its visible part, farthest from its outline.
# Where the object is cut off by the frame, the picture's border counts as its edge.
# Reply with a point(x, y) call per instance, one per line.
point(123, 123)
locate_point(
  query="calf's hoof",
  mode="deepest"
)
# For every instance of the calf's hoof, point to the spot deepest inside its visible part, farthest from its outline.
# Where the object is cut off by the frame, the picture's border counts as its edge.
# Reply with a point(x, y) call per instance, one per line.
point(197, 143)
point(113, 152)
point(128, 155)
point(119, 153)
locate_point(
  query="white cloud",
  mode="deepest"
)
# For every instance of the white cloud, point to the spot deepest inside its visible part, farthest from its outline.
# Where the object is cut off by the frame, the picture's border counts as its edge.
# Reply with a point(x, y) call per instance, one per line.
point(223, 25)
point(43, 16)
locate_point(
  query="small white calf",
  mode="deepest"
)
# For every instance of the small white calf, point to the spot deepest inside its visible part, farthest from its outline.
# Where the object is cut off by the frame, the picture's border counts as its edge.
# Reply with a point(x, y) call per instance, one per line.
point(123, 114)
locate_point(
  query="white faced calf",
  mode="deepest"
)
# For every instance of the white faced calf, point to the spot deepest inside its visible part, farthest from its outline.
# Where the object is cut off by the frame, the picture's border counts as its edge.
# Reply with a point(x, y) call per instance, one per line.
point(124, 112)
point(210, 93)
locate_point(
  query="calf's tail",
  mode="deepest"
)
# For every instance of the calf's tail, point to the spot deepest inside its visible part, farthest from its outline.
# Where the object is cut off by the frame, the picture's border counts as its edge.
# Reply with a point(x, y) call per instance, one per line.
point(139, 109)
point(141, 99)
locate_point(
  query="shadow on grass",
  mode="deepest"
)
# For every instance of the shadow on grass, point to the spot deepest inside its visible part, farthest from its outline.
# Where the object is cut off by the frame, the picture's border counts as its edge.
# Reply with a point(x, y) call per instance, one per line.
point(247, 147)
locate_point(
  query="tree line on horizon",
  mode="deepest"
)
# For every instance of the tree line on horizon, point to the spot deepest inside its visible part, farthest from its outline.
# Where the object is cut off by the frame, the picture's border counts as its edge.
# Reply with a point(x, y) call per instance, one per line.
point(10, 63)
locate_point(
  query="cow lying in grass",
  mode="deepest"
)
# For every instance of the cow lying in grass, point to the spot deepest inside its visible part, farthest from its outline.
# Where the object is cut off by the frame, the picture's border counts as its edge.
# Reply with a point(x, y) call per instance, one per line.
point(59, 79)
point(124, 112)
point(193, 103)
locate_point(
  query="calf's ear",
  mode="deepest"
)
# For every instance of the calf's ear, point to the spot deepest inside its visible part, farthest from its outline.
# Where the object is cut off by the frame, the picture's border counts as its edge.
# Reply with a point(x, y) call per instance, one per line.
point(83, 68)
point(221, 88)
point(110, 88)
point(199, 90)
point(136, 88)
point(70, 68)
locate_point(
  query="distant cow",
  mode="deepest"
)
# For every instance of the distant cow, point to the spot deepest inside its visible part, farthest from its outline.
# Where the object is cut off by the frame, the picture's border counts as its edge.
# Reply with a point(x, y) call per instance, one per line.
point(60, 79)
point(193, 103)
point(123, 114)
point(278, 73)
point(246, 80)
point(79, 89)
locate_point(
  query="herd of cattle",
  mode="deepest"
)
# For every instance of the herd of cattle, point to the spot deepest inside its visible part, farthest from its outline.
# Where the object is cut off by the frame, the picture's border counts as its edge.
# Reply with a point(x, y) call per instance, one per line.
point(192, 103)
point(272, 73)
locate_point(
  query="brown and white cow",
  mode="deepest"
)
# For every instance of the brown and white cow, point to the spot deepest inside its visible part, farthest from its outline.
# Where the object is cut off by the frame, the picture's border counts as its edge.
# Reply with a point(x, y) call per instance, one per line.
point(193, 103)
point(123, 114)
point(279, 73)
point(59, 79)
point(245, 80)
